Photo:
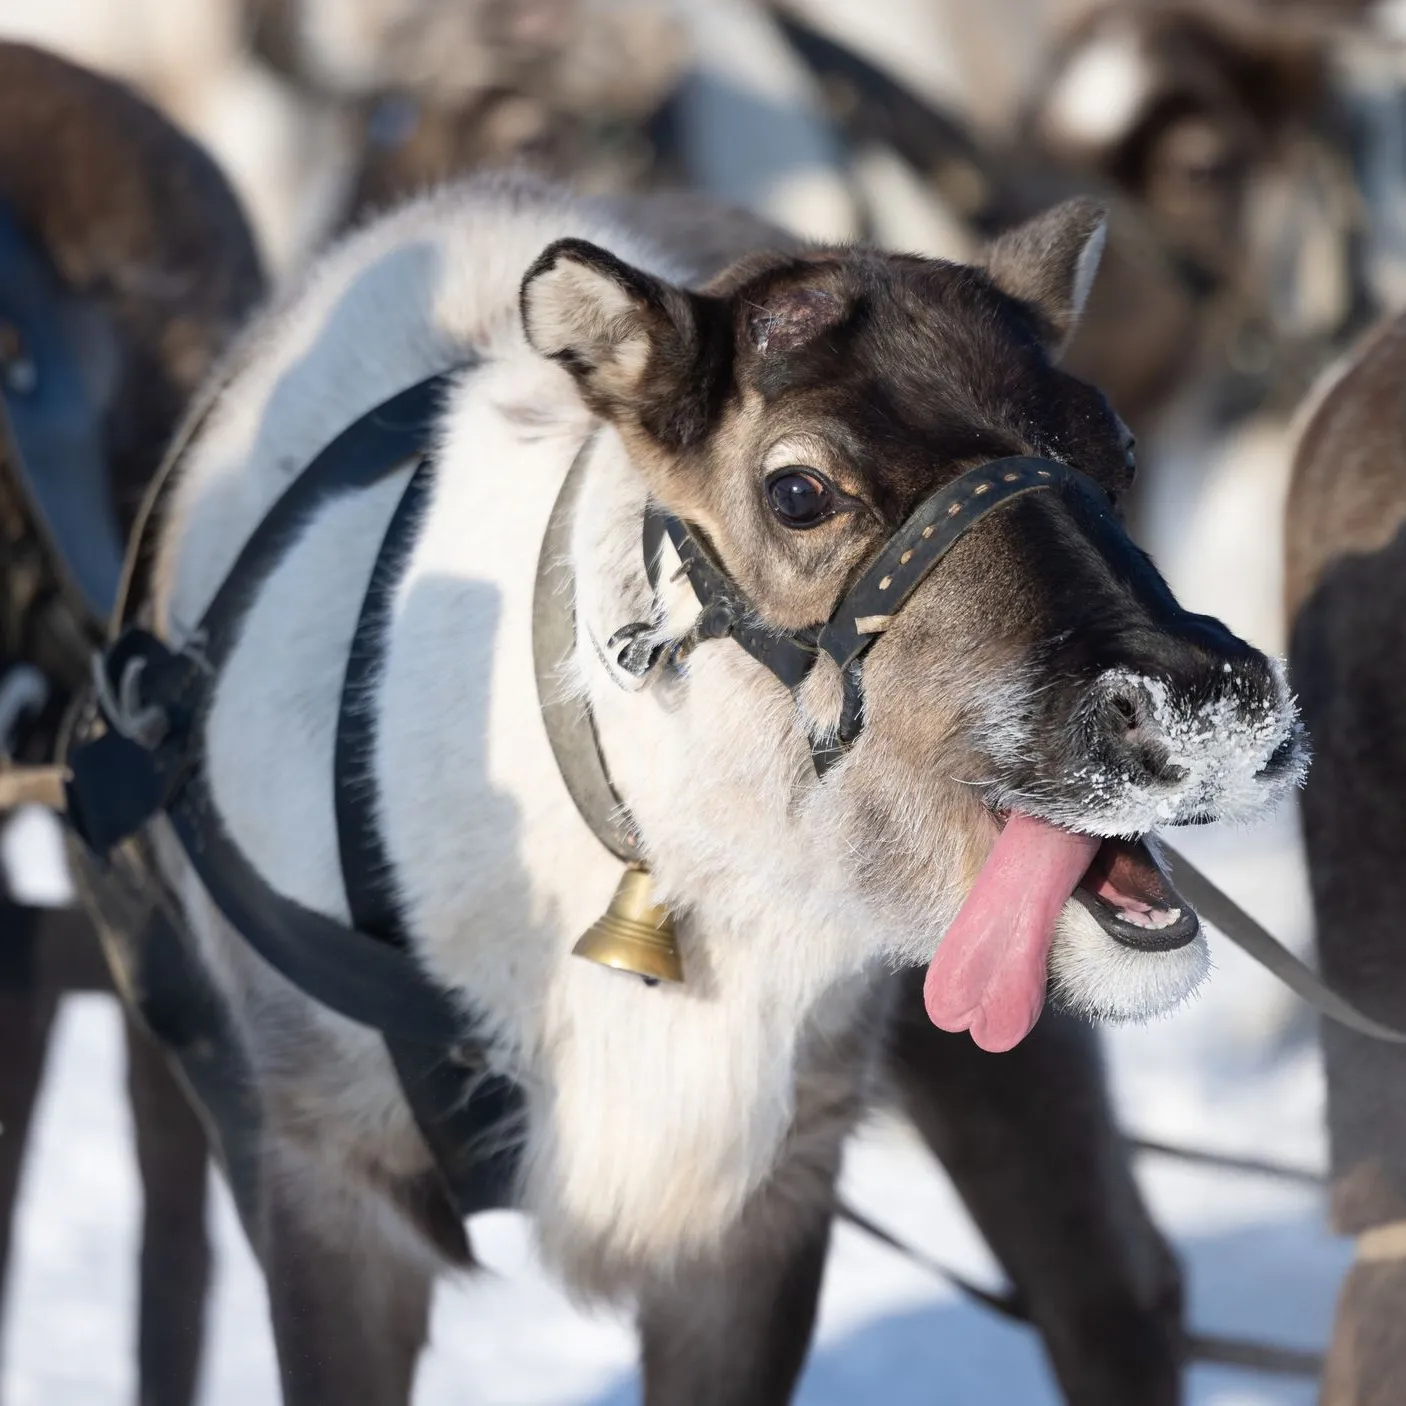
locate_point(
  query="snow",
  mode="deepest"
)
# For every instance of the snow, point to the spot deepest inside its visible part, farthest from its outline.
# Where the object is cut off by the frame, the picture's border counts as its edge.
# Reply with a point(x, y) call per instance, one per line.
point(1237, 1071)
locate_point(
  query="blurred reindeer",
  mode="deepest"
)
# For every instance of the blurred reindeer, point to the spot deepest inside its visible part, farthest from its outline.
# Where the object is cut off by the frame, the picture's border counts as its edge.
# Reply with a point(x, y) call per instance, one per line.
point(125, 262)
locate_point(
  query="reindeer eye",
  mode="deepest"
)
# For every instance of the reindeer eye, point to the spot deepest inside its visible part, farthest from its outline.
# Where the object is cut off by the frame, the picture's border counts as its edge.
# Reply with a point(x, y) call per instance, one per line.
point(799, 498)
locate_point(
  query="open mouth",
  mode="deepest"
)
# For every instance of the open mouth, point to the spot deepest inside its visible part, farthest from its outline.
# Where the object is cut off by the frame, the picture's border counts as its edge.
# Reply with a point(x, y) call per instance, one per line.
point(991, 969)
point(1133, 900)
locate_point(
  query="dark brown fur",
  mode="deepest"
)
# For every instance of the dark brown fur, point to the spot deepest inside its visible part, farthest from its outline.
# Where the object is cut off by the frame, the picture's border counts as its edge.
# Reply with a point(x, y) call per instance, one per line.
point(1346, 587)
point(139, 220)
point(1029, 1141)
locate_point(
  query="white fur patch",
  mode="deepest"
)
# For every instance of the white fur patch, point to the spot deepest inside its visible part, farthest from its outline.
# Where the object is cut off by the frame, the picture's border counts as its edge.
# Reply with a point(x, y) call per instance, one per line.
point(1086, 269)
point(1102, 979)
point(1098, 97)
point(572, 307)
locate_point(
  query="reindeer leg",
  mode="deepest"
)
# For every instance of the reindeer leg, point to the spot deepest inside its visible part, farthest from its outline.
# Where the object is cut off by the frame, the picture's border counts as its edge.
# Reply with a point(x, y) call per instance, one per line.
point(735, 1331)
point(733, 1328)
point(175, 1264)
point(27, 1007)
point(1029, 1141)
point(349, 1289)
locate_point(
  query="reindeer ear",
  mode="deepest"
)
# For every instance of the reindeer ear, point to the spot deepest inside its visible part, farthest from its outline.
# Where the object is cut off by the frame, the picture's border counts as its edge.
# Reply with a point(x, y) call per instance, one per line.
point(1049, 264)
point(632, 341)
point(791, 317)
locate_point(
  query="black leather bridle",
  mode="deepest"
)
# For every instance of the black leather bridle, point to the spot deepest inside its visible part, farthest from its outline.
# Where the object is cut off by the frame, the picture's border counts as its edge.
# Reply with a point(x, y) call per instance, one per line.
point(869, 606)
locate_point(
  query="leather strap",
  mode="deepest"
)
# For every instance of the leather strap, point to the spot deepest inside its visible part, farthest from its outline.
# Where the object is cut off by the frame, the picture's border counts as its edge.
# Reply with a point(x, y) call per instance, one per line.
point(728, 614)
point(1232, 920)
point(567, 717)
point(367, 872)
point(468, 1115)
point(935, 527)
point(379, 443)
point(359, 976)
point(867, 609)
point(118, 782)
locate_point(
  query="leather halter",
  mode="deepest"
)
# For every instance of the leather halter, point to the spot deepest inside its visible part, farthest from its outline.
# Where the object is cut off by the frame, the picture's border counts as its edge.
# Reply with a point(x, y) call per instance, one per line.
point(869, 606)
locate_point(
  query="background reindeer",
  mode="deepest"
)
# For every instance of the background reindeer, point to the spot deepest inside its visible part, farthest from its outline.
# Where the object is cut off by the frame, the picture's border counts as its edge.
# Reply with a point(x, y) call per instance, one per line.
point(152, 267)
point(1346, 585)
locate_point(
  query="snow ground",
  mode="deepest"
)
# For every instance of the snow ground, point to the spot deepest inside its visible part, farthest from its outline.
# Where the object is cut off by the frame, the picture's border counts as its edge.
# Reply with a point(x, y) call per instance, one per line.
point(1236, 1071)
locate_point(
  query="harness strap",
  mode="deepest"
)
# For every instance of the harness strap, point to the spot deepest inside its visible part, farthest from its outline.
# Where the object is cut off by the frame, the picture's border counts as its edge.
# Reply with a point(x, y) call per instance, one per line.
point(1268, 951)
point(570, 724)
point(124, 777)
point(939, 522)
point(362, 455)
point(727, 613)
point(867, 608)
point(366, 867)
point(467, 1114)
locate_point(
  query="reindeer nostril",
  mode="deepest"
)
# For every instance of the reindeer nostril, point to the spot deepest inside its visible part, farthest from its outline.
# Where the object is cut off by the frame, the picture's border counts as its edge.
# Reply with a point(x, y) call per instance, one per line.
point(1126, 709)
point(1130, 739)
point(1281, 759)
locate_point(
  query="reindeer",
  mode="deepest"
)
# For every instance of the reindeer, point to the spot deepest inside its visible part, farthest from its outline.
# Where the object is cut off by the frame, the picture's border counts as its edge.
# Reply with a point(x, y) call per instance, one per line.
point(974, 797)
point(128, 241)
point(1228, 127)
point(1345, 574)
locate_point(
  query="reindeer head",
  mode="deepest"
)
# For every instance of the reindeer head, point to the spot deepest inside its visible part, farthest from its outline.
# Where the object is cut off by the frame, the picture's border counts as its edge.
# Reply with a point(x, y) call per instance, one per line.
point(1218, 122)
point(1039, 703)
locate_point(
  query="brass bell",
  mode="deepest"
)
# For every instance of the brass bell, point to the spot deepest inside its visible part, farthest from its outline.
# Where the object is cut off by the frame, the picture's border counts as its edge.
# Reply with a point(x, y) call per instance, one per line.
point(635, 934)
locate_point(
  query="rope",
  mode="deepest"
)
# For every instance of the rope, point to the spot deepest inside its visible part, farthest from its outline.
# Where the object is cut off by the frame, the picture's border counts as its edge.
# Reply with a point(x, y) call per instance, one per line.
point(1252, 1166)
point(1208, 1348)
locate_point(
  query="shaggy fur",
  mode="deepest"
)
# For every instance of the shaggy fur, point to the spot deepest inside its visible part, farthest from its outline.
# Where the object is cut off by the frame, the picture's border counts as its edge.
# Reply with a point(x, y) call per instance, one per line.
point(683, 1136)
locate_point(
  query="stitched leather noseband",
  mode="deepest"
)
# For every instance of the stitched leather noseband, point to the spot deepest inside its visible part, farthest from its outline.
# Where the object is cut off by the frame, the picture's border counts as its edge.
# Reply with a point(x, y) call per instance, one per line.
point(869, 606)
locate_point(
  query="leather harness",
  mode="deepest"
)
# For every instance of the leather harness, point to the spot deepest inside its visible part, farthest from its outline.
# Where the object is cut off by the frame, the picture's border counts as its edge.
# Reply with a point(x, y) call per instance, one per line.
point(149, 759)
point(145, 756)
point(869, 606)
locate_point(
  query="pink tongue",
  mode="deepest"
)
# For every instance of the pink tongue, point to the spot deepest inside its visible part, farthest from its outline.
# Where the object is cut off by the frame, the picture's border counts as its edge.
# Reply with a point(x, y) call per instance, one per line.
point(988, 975)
